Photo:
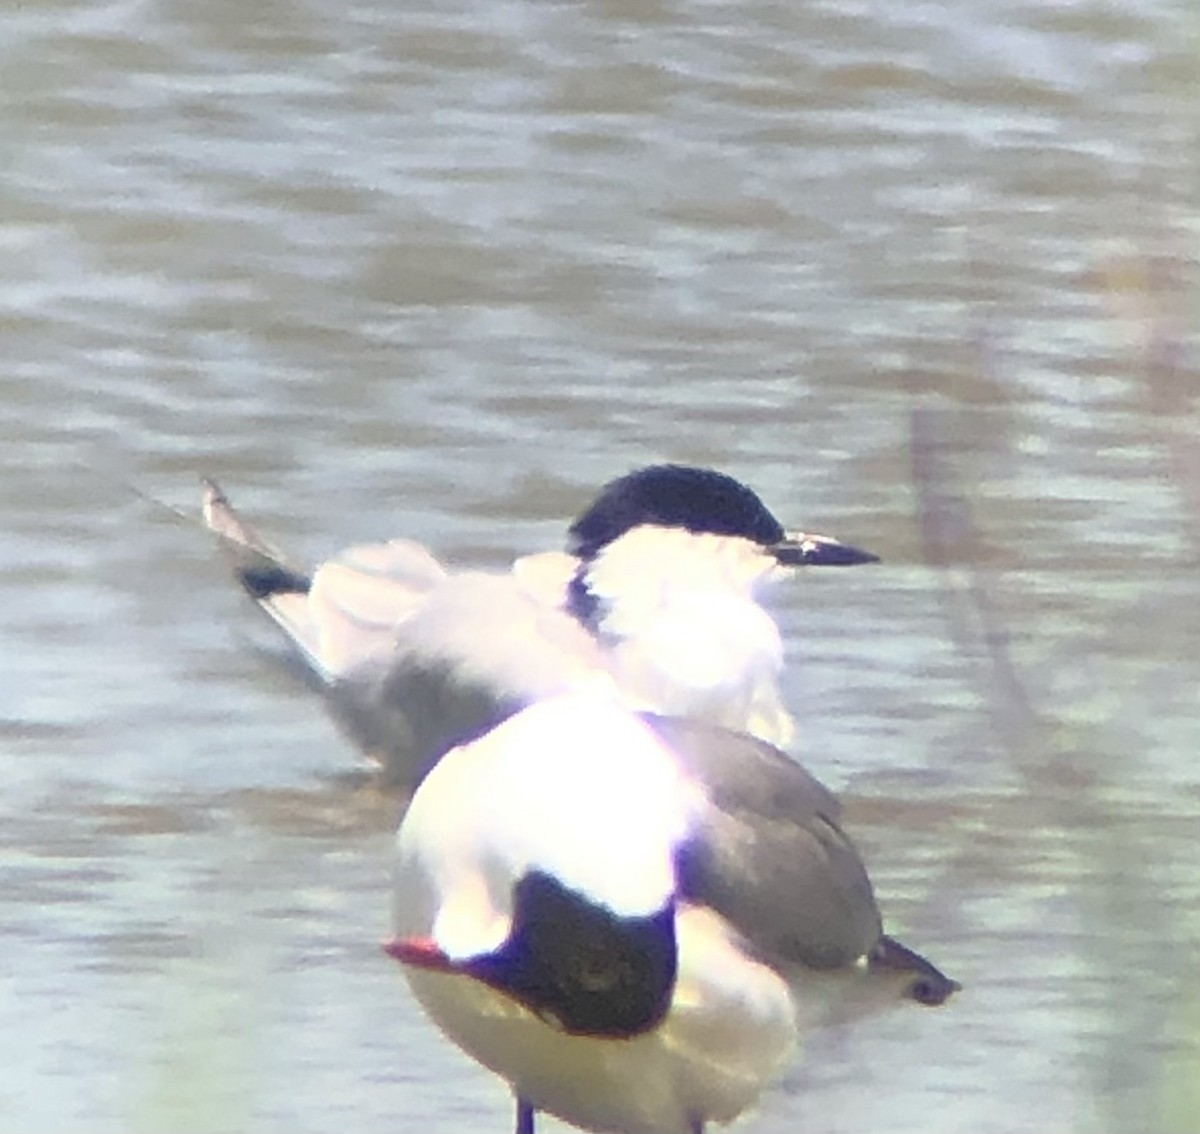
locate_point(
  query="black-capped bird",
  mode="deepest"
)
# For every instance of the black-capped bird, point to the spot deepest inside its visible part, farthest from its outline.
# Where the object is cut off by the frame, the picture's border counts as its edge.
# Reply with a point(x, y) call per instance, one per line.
point(659, 588)
point(632, 918)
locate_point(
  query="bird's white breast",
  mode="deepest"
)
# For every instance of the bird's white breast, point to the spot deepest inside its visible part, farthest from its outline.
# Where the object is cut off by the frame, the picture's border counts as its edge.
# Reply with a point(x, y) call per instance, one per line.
point(684, 633)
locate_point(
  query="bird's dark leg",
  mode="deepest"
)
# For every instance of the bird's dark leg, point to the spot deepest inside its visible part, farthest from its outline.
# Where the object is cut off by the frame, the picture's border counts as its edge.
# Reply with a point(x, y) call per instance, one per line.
point(524, 1116)
point(697, 1126)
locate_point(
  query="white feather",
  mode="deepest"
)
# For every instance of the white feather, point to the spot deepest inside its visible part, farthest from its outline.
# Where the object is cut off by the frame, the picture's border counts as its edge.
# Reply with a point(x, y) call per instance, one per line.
point(413, 657)
point(684, 630)
point(581, 789)
point(546, 790)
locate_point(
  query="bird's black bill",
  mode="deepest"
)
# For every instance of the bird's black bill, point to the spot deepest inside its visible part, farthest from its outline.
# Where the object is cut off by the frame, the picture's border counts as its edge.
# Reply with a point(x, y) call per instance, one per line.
point(804, 550)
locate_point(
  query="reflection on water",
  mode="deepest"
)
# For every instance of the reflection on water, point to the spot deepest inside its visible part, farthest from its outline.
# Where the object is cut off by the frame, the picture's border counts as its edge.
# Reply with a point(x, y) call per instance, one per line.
point(924, 276)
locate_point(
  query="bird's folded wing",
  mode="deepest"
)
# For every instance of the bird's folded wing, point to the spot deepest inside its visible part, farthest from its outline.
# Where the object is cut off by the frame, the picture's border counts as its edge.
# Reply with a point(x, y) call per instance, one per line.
point(767, 853)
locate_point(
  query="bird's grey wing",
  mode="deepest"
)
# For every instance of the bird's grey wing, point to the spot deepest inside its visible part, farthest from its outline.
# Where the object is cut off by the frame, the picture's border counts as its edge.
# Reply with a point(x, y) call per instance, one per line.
point(767, 853)
point(477, 649)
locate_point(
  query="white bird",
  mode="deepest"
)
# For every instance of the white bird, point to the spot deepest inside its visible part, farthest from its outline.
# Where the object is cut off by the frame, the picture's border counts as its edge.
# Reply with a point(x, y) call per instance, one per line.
point(632, 919)
point(658, 589)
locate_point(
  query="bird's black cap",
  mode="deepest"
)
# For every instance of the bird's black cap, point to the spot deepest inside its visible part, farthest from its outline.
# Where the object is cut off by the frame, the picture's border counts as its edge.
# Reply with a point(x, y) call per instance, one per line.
point(674, 496)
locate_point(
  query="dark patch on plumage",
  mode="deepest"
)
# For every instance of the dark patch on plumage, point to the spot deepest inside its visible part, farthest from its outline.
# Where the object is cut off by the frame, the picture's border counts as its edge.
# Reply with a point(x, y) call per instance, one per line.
point(262, 580)
point(674, 496)
point(580, 966)
point(766, 852)
point(421, 706)
point(582, 604)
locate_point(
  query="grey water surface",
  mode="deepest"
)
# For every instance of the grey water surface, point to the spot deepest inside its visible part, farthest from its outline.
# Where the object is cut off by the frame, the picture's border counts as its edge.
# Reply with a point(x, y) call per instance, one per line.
point(922, 273)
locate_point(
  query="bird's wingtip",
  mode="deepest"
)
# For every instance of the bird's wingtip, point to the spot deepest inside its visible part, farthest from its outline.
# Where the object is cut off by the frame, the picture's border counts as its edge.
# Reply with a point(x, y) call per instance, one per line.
point(219, 515)
point(261, 568)
point(213, 492)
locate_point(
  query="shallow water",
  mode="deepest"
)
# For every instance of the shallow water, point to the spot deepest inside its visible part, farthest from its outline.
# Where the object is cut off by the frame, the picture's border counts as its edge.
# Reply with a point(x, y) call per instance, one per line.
point(923, 275)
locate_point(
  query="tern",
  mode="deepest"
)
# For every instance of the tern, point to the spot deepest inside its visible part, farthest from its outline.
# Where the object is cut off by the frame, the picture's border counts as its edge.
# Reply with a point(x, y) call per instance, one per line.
point(633, 918)
point(658, 588)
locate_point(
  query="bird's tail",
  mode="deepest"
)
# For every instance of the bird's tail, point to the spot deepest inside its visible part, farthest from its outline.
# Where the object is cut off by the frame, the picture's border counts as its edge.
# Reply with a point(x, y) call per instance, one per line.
point(276, 585)
point(259, 566)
